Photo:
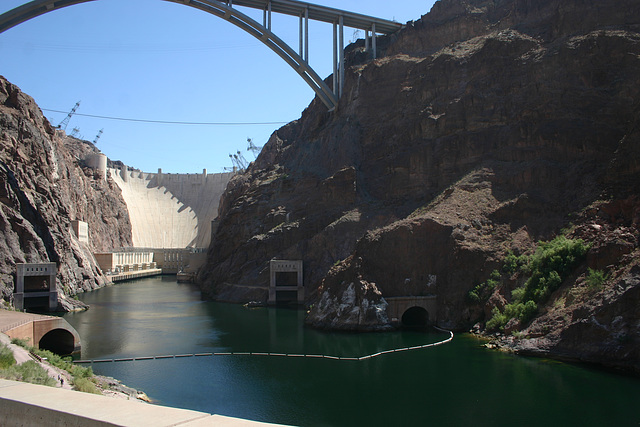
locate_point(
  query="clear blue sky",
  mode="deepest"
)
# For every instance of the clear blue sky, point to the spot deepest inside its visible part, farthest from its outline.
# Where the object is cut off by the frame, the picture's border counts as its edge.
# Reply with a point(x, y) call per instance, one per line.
point(157, 60)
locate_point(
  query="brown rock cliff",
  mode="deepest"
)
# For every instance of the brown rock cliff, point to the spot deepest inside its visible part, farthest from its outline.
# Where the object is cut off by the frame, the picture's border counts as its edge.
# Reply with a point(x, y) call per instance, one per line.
point(487, 126)
point(43, 187)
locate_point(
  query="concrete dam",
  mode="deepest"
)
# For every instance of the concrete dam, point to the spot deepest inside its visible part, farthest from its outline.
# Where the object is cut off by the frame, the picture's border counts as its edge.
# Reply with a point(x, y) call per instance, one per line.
point(171, 210)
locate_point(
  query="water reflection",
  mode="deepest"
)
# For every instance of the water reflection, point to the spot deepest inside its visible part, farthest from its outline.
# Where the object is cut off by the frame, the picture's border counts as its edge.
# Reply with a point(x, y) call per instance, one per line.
point(459, 383)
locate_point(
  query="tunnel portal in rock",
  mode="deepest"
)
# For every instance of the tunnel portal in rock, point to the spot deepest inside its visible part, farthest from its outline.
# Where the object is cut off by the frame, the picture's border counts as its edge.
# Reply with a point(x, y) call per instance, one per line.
point(412, 311)
point(415, 317)
point(58, 341)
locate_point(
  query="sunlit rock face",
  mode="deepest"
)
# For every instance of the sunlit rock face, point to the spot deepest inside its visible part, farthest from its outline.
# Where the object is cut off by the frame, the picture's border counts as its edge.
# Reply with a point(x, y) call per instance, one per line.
point(354, 306)
point(44, 185)
point(483, 127)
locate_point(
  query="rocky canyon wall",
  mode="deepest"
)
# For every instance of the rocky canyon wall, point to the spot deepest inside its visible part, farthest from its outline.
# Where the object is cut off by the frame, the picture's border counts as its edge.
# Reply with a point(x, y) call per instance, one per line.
point(482, 128)
point(44, 185)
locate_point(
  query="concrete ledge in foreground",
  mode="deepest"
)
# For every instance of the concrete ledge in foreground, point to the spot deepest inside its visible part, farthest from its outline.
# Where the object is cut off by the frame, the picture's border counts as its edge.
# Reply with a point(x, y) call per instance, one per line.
point(23, 404)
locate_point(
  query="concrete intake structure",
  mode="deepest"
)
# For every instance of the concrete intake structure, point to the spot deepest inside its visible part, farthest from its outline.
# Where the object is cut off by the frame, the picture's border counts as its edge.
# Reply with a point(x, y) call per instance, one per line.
point(171, 210)
point(36, 286)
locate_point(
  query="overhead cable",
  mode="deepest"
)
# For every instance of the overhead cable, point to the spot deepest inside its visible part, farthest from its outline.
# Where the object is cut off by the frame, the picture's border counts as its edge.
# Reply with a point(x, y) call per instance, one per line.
point(124, 119)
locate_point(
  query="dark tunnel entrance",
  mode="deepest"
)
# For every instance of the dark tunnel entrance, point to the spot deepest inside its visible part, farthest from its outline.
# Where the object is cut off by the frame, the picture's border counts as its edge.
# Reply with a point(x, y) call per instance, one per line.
point(415, 317)
point(58, 341)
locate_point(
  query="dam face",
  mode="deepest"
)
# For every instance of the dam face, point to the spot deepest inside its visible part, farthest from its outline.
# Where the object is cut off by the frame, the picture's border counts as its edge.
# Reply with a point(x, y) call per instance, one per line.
point(171, 210)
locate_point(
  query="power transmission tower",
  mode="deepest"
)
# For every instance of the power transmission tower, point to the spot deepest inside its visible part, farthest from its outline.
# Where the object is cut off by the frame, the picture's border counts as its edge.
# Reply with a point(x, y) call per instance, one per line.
point(95, 141)
point(63, 124)
point(75, 133)
point(252, 147)
point(239, 162)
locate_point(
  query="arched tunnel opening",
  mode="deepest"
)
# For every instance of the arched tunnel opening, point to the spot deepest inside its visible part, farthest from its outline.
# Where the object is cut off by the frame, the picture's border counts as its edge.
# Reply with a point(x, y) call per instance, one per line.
point(58, 341)
point(415, 318)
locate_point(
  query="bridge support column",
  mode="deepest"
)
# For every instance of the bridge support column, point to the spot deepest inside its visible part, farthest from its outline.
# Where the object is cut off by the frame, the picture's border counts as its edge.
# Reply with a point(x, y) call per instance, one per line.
point(338, 56)
point(267, 16)
point(341, 50)
point(304, 35)
point(374, 46)
point(335, 59)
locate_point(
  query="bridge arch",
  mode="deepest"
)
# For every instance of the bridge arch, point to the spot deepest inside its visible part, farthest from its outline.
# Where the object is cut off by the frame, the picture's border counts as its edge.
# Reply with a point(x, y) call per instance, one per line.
point(36, 8)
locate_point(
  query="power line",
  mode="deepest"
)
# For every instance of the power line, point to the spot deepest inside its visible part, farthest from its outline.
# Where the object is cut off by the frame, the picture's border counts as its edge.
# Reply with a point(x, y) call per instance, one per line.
point(124, 119)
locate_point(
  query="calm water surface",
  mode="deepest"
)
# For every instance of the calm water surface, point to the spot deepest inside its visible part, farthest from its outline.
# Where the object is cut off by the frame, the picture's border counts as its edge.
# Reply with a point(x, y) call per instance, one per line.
point(456, 384)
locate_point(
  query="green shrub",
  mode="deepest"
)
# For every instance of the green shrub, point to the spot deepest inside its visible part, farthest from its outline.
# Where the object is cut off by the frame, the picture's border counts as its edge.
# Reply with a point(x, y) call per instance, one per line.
point(481, 292)
point(497, 321)
point(551, 264)
point(549, 267)
point(6, 357)
point(517, 310)
point(517, 294)
point(85, 385)
point(596, 278)
point(21, 342)
point(64, 363)
point(523, 311)
point(30, 372)
point(513, 263)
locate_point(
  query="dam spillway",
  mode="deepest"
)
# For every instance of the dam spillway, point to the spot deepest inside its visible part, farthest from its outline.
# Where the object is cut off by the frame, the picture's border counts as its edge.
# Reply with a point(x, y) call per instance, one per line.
point(171, 210)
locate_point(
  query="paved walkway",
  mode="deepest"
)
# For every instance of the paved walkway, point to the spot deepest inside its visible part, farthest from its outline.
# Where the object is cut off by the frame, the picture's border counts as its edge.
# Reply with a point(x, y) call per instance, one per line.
point(22, 355)
point(28, 404)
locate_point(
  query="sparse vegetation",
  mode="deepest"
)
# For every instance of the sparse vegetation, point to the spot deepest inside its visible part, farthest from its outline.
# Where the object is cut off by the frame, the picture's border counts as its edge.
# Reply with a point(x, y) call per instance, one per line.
point(513, 263)
point(85, 385)
point(63, 363)
point(21, 342)
point(548, 268)
point(81, 376)
point(6, 357)
point(551, 264)
point(29, 371)
point(482, 292)
point(596, 278)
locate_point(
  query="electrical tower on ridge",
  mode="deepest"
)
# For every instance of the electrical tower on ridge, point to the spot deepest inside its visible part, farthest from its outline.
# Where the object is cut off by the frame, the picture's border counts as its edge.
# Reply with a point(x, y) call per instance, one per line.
point(63, 124)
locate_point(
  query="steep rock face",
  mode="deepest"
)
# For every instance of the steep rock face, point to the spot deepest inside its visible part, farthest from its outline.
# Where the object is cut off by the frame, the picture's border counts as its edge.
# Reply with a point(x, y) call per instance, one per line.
point(43, 187)
point(488, 126)
point(595, 323)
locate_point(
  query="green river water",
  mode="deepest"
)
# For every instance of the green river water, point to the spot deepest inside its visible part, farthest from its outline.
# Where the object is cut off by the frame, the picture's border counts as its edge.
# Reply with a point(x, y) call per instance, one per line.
point(456, 384)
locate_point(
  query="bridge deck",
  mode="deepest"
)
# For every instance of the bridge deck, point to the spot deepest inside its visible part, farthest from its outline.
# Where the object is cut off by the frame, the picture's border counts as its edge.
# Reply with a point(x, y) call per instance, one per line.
point(323, 13)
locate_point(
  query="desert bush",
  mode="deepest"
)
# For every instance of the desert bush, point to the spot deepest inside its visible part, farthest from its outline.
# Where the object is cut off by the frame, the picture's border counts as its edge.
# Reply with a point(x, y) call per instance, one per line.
point(64, 363)
point(549, 267)
point(596, 278)
point(29, 372)
point(6, 357)
point(551, 264)
point(481, 292)
point(85, 385)
point(513, 263)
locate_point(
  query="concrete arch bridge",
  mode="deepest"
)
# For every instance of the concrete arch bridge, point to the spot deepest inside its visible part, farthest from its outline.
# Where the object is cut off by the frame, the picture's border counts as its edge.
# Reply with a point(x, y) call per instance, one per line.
point(228, 11)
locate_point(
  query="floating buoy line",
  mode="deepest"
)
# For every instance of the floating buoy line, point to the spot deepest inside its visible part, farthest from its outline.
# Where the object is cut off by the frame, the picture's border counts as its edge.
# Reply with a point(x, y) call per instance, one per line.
point(311, 356)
